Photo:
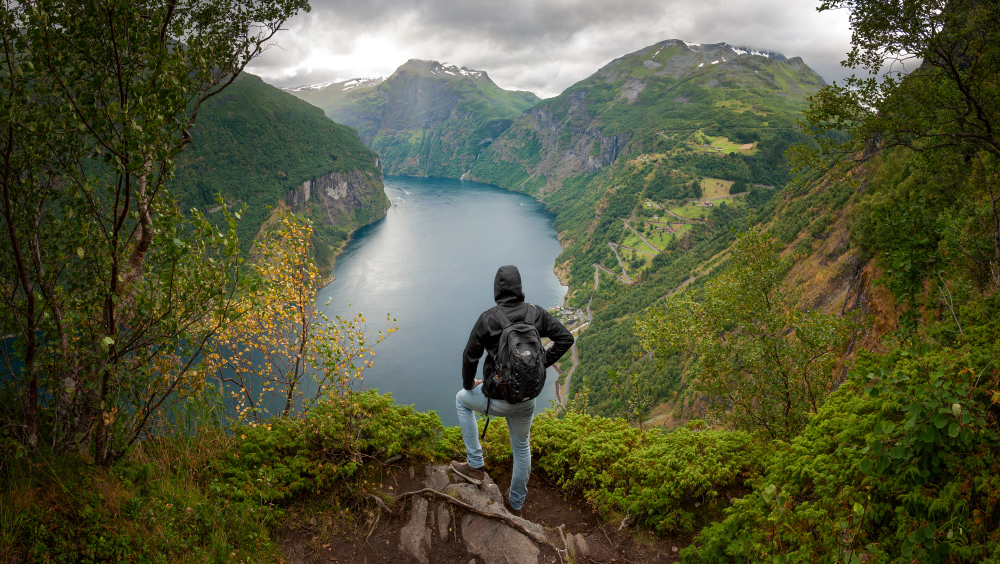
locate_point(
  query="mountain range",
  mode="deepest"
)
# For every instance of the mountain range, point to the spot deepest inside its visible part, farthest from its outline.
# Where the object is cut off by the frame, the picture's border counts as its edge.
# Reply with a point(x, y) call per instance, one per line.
point(426, 119)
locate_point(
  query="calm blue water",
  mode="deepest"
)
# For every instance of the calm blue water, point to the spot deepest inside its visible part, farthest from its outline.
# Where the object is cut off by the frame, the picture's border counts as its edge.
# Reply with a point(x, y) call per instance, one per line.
point(430, 264)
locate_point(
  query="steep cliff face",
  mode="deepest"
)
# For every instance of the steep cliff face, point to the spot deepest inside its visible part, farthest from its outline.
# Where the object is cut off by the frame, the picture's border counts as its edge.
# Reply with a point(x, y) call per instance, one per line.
point(342, 198)
point(256, 147)
point(542, 148)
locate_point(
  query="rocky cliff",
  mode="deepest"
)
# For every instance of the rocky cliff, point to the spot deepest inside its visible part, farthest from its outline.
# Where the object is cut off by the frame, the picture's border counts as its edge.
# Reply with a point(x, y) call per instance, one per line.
point(353, 197)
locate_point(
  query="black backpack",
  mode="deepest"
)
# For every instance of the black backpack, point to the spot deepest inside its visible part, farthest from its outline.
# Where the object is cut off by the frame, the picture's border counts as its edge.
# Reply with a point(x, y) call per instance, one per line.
point(519, 365)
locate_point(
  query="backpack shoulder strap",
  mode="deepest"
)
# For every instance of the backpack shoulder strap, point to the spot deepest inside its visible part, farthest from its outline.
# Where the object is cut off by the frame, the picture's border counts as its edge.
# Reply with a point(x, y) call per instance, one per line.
point(532, 314)
point(499, 316)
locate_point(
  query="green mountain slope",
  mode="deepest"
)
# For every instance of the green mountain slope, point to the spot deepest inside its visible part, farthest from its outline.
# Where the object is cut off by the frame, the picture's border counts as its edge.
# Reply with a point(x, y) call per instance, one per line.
point(651, 165)
point(427, 119)
point(259, 146)
point(661, 96)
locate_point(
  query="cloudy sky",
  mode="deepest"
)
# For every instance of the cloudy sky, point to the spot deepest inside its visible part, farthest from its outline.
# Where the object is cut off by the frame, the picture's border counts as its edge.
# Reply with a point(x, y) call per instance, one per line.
point(539, 45)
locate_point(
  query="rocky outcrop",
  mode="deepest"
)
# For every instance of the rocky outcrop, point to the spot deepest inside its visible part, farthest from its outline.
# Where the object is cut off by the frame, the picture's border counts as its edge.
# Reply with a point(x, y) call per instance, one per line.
point(346, 199)
point(467, 521)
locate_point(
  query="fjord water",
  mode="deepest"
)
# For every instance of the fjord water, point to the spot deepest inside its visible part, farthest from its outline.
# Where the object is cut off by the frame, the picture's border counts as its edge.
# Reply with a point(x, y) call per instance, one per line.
point(430, 264)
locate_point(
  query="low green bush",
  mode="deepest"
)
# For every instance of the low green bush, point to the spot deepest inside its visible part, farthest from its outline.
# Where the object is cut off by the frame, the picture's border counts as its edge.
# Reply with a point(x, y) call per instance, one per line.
point(664, 481)
point(280, 460)
point(900, 465)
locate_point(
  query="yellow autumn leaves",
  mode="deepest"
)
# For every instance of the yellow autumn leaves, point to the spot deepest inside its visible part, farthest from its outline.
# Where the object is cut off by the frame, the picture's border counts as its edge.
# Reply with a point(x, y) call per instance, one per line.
point(282, 354)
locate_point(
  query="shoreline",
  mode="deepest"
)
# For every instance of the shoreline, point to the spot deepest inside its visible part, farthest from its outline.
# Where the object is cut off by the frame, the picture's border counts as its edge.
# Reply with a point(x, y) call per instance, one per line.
point(329, 278)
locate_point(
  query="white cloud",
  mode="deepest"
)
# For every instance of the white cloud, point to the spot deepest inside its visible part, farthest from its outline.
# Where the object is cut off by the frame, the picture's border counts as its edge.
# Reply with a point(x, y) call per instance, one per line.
point(538, 45)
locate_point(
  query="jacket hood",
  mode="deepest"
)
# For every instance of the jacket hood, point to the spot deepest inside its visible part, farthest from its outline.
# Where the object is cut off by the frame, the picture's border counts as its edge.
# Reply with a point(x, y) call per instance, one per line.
point(507, 286)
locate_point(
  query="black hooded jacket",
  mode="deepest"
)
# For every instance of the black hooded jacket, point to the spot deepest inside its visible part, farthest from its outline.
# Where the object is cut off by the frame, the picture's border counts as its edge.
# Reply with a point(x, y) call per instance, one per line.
point(485, 334)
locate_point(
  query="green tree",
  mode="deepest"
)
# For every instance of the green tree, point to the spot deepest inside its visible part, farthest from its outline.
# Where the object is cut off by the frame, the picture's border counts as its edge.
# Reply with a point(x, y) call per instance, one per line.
point(110, 291)
point(946, 110)
point(762, 364)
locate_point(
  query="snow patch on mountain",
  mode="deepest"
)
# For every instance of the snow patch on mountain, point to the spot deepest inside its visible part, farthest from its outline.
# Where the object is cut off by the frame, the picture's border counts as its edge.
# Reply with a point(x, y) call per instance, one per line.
point(358, 82)
point(455, 70)
point(749, 51)
point(344, 86)
point(310, 87)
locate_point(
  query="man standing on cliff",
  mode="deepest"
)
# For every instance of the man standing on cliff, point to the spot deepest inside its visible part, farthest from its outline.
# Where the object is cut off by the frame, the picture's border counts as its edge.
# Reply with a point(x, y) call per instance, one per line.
point(511, 308)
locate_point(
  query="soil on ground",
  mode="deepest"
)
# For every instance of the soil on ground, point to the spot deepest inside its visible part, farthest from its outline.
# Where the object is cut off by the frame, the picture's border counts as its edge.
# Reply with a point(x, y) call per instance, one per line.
point(375, 536)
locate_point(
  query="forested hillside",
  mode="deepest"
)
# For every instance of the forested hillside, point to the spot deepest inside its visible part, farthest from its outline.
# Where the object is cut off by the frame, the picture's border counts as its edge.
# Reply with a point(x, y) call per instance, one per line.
point(426, 119)
point(255, 145)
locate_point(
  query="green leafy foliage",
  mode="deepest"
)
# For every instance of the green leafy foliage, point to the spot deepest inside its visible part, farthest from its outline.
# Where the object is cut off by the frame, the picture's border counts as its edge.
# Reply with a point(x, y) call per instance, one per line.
point(661, 479)
point(929, 112)
point(899, 465)
point(290, 457)
point(764, 365)
point(209, 496)
point(96, 255)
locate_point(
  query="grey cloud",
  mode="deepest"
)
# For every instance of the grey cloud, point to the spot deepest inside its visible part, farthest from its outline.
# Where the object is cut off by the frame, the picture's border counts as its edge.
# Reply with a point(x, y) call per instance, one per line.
point(538, 45)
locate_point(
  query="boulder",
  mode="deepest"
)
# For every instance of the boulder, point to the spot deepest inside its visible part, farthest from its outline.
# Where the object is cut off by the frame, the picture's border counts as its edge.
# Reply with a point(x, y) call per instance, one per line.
point(435, 525)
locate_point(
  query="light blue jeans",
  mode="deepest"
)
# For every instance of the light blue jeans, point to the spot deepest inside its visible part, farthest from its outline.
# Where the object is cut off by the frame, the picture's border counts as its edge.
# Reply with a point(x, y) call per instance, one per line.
point(518, 415)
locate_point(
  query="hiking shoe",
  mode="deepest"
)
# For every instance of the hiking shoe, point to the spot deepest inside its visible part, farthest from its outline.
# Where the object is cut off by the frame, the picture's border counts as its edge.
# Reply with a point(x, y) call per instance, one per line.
point(473, 475)
point(510, 508)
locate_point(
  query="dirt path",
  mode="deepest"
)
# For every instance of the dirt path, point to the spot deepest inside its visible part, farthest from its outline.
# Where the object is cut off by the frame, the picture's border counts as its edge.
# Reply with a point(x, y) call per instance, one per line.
point(644, 239)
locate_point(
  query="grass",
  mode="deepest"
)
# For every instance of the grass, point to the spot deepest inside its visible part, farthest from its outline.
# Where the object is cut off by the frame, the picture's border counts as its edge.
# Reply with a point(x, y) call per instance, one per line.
point(715, 188)
point(660, 238)
point(212, 497)
point(720, 145)
point(688, 210)
point(156, 505)
point(633, 240)
point(738, 106)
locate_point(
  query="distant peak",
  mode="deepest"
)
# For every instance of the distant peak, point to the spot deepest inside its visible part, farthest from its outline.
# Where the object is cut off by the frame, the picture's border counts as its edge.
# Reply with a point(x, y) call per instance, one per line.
point(736, 50)
point(437, 68)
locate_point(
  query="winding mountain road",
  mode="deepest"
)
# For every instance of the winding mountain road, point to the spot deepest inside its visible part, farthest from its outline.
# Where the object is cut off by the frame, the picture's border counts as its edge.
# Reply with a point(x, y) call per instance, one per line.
point(637, 250)
point(614, 249)
point(562, 392)
point(609, 271)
